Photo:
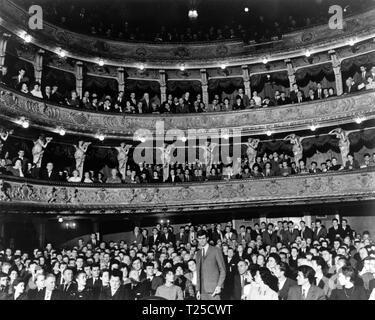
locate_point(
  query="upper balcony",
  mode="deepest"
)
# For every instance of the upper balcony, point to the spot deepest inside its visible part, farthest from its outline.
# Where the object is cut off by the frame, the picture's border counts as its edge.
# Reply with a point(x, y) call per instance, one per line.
point(20, 195)
point(323, 113)
point(195, 55)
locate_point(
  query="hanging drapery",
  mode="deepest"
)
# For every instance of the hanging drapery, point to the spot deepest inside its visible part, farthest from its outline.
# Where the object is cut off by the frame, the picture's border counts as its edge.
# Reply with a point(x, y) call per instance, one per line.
point(307, 78)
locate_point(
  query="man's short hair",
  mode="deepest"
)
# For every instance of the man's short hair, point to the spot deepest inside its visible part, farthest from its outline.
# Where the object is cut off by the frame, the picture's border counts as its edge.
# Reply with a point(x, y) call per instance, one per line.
point(308, 272)
point(202, 233)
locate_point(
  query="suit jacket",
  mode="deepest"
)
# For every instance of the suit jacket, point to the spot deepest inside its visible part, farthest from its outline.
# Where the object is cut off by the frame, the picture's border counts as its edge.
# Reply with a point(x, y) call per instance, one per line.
point(216, 236)
point(210, 270)
point(333, 233)
point(184, 238)
point(67, 294)
point(146, 105)
point(148, 288)
point(269, 239)
point(371, 285)
point(176, 179)
point(56, 295)
point(151, 240)
point(322, 233)
point(122, 293)
point(307, 233)
point(314, 293)
point(283, 292)
point(237, 290)
point(95, 287)
point(35, 294)
point(136, 238)
point(163, 238)
point(53, 177)
point(292, 236)
point(85, 294)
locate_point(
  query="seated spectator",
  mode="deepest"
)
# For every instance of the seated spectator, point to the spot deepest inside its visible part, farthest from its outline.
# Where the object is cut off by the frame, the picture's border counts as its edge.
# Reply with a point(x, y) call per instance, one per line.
point(349, 290)
point(257, 99)
point(24, 88)
point(73, 101)
point(285, 169)
point(370, 83)
point(75, 177)
point(349, 86)
point(49, 174)
point(4, 76)
point(87, 178)
point(114, 178)
point(367, 161)
point(238, 105)
point(17, 169)
point(314, 168)
point(351, 163)
point(264, 286)
point(169, 291)
point(36, 92)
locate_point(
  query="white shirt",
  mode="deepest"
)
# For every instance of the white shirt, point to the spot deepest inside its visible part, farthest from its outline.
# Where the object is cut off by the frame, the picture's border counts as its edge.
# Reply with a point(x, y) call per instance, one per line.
point(204, 250)
point(281, 283)
point(258, 100)
point(194, 278)
point(48, 295)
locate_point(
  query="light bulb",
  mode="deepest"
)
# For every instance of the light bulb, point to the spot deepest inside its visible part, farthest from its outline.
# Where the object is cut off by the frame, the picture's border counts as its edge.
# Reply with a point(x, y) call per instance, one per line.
point(223, 66)
point(182, 67)
point(27, 38)
point(25, 124)
point(101, 62)
point(269, 133)
point(183, 139)
point(61, 220)
point(246, 9)
point(141, 66)
point(358, 120)
point(351, 42)
point(62, 132)
point(312, 127)
point(61, 53)
point(265, 60)
point(101, 137)
point(307, 53)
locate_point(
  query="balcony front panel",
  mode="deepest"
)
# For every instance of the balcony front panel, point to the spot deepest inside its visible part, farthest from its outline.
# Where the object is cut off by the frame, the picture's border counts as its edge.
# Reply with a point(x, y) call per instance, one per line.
point(87, 48)
point(278, 119)
point(35, 196)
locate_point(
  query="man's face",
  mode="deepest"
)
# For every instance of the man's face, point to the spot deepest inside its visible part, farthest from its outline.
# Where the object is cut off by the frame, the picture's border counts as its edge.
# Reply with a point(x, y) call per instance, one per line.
point(50, 283)
point(242, 267)
point(3, 281)
point(21, 153)
point(137, 265)
point(192, 266)
point(301, 280)
point(115, 283)
point(68, 276)
point(150, 271)
point(81, 279)
point(95, 272)
point(40, 281)
point(202, 240)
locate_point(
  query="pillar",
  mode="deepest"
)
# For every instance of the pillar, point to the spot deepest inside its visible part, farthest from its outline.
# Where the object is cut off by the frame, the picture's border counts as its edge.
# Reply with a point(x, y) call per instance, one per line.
point(3, 47)
point(307, 218)
point(121, 79)
point(95, 226)
point(2, 229)
point(38, 65)
point(41, 233)
point(163, 86)
point(291, 73)
point(204, 86)
point(246, 80)
point(79, 77)
point(336, 64)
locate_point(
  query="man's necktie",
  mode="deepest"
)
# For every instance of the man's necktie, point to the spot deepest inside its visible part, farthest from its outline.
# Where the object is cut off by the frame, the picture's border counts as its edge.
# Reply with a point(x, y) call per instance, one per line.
point(303, 294)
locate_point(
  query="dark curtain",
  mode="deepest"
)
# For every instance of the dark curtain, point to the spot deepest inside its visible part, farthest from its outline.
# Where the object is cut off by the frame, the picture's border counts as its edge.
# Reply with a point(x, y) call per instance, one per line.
point(178, 88)
point(65, 80)
point(99, 85)
point(225, 87)
point(142, 86)
point(266, 84)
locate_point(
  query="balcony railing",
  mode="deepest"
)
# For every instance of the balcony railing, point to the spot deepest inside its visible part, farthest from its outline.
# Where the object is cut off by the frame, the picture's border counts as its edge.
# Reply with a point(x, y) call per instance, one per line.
point(20, 195)
point(329, 112)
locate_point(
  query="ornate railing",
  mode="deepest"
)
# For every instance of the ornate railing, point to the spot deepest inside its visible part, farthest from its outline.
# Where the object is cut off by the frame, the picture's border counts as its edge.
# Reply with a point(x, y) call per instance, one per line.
point(198, 55)
point(286, 118)
point(21, 195)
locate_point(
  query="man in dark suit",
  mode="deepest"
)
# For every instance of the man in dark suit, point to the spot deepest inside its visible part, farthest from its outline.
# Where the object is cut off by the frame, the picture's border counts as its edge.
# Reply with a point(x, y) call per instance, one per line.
point(37, 293)
point(149, 285)
point(269, 236)
point(154, 239)
point(293, 93)
point(239, 280)
point(292, 232)
point(318, 94)
point(146, 103)
point(281, 271)
point(20, 78)
point(4, 76)
point(3, 286)
point(116, 291)
point(49, 174)
point(350, 86)
point(94, 282)
point(210, 269)
point(361, 77)
point(306, 289)
point(166, 236)
point(335, 231)
point(306, 232)
point(182, 236)
point(346, 231)
point(173, 177)
point(68, 287)
point(50, 292)
point(231, 261)
point(320, 231)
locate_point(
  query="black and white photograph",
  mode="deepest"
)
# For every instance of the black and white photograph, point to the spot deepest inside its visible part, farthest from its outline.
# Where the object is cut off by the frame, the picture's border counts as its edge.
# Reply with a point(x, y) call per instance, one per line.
point(205, 152)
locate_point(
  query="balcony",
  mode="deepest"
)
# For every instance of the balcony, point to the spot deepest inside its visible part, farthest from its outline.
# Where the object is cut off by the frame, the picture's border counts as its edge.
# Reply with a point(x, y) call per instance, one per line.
point(329, 112)
point(197, 55)
point(22, 195)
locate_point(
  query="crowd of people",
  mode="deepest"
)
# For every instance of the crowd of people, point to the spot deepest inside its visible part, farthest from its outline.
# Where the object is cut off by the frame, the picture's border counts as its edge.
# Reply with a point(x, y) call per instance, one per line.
point(262, 262)
point(131, 104)
point(108, 22)
point(270, 165)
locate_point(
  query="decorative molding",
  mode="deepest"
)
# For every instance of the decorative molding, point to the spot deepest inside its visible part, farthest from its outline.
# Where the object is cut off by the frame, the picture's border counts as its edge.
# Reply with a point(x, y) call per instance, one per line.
point(286, 118)
point(195, 55)
point(19, 194)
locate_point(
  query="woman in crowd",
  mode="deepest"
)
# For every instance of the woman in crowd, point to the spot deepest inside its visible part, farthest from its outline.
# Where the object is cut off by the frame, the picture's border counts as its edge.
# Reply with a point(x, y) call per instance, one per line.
point(75, 177)
point(264, 286)
point(169, 290)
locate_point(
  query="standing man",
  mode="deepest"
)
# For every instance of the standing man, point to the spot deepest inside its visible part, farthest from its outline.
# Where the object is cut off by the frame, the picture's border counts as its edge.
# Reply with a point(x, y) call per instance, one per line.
point(210, 269)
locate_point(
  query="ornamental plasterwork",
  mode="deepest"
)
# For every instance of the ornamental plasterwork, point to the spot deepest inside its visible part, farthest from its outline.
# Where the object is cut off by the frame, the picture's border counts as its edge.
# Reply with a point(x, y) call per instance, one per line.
point(50, 116)
point(304, 187)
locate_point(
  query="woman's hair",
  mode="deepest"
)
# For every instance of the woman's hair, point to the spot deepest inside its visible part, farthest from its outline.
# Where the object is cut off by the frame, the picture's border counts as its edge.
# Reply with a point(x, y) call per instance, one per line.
point(166, 271)
point(269, 279)
point(349, 271)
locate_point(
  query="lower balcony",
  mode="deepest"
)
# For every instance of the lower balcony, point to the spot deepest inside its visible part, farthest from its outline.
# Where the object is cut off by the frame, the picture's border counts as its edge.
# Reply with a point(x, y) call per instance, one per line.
point(20, 195)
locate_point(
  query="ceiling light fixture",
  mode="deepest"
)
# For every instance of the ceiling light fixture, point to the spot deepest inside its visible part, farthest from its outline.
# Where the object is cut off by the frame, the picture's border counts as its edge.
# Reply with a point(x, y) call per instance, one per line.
point(307, 53)
point(193, 14)
point(265, 60)
point(223, 66)
point(313, 127)
point(141, 67)
point(61, 53)
point(269, 133)
point(182, 67)
point(101, 62)
point(246, 9)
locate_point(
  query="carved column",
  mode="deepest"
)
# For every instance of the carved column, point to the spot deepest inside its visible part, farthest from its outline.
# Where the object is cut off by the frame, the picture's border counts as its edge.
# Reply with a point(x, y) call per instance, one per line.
point(38, 65)
point(163, 86)
point(121, 79)
point(291, 73)
point(246, 80)
point(2, 229)
point(307, 218)
point(204, 86)
point(41, 232)
point(79, 77)
point(3, 47)
point(336, 64)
